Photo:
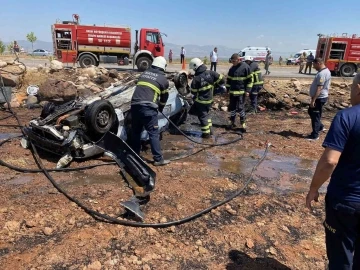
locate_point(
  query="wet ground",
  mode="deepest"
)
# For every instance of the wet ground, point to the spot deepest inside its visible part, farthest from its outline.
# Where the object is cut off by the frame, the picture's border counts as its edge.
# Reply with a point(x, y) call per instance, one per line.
point(266, 227)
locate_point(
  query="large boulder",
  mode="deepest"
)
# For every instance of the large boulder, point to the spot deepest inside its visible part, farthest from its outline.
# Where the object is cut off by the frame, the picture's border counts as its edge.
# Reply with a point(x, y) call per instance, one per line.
point(56, 65)
point(10, 79)
point(57, 90)
point(2, 64)
point(89, 71)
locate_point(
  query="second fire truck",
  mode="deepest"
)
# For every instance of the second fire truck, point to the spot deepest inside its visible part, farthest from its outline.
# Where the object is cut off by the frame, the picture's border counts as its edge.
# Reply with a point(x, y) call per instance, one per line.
point(340, 53)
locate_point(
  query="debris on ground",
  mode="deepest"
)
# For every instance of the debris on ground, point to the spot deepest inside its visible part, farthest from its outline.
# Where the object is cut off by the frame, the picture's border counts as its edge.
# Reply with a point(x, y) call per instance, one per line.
point(267, 227)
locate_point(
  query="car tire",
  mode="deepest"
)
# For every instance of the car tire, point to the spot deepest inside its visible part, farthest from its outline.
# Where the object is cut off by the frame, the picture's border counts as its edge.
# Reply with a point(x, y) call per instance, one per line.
point(181, 83)
point(347, 70)
point(100, 116)
point(143, 63)
point(87, 60)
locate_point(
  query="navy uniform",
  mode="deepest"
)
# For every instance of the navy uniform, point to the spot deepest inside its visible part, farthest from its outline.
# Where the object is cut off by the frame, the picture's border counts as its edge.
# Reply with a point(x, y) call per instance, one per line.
point(202, 87)
point(150, 95)
point(257, 82)
point(239, 81)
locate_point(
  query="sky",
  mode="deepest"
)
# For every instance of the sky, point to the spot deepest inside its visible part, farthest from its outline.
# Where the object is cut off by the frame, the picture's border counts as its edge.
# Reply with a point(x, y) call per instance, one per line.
point(284, 26)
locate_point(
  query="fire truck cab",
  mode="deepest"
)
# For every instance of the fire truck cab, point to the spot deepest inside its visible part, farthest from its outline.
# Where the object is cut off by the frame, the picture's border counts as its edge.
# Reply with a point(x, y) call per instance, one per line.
point(87, 44)
point(340, 53)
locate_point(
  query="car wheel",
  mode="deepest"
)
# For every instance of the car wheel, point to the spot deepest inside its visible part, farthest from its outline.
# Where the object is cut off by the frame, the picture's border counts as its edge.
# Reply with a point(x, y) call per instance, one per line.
point(100, 116)
point(87, 60)
point(143, 63)
point(347, 70)
point(181, 83)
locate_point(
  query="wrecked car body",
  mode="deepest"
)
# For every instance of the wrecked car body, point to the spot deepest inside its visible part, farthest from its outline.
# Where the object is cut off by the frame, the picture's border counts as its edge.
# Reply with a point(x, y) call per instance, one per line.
point(101, 124)
point(72, 129)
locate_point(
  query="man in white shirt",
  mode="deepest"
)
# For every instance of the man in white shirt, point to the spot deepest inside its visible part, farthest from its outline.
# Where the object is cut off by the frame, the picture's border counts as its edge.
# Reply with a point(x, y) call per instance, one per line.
point(213, 59)
point(182, 55)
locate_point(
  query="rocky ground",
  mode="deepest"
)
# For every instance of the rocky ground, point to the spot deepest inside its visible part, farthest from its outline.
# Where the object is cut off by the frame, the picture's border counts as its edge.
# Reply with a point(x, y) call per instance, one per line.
point(266, 227)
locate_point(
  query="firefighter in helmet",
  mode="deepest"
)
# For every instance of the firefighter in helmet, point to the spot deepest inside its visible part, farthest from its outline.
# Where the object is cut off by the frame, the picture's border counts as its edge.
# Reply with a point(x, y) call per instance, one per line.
point(150, 96)
point(257, 81)
point(202, 88)
point(239, 81)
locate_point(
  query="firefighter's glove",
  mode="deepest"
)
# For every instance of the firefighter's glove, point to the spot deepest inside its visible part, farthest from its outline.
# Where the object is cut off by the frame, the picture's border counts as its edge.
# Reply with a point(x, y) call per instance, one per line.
point(161, 108)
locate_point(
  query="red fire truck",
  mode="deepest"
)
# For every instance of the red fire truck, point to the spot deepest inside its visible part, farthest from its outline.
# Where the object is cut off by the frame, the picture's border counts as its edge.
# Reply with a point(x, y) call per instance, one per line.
point(85, 44)
point(340, 53)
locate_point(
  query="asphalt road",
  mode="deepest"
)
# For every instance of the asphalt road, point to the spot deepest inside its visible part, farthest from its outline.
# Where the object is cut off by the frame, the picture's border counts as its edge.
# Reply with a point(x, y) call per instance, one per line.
point(275, 71)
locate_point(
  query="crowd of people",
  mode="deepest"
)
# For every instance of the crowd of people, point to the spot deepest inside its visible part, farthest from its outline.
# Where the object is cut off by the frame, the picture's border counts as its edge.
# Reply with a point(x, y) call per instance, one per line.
point(339, 161)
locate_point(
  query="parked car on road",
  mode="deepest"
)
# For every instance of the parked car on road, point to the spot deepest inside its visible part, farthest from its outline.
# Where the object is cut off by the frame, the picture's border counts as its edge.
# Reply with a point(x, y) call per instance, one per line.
point(296, 58)
point(40, 52)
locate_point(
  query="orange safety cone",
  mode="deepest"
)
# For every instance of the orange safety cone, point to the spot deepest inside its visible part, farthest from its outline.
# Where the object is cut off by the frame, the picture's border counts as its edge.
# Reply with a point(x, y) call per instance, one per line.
point(183, 65)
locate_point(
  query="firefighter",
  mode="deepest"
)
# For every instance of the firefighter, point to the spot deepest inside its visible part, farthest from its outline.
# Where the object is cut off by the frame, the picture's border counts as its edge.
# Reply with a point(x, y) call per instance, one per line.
point(257, 81)
point(202, 88)
point(239, 81)
point(150, 96)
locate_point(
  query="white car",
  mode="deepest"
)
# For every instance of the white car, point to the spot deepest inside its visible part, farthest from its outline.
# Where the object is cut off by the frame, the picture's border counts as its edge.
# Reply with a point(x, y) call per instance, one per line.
point(257, 53)
point(296, 58)
point(40, 52)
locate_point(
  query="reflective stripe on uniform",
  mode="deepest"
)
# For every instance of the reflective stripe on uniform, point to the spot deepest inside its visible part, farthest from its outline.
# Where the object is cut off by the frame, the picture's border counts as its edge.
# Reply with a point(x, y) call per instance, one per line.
point(153, 87)
point(202, 88)
point(250, 84)
point(210, 123)
point(205, 129)
point(220, 77)
point(257, 81)
point(237, 92)
point(237, 78)
point(204, 101)
point(162, 103)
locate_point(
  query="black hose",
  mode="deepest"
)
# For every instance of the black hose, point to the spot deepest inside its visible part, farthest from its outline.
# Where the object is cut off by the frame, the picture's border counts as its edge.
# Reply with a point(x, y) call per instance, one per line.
point(109, 219)
point(201, 143)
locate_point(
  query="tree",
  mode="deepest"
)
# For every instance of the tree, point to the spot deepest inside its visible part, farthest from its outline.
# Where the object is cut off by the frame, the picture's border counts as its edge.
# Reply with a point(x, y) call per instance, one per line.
point(10, 46)
point(2, 47)
point(31, 38)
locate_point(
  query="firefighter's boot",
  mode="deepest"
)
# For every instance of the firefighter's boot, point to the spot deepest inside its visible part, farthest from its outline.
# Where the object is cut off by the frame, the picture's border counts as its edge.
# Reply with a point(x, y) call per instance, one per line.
point(243, 126)
point(231, 125)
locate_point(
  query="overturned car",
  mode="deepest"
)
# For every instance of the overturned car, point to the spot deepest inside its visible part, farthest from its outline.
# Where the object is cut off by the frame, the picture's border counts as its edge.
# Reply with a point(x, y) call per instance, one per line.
point(72, 129)
point(101, 124)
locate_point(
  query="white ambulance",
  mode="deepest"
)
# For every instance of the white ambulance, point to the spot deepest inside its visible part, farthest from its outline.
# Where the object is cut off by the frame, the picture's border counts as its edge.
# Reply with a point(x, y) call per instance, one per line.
point(258, 53)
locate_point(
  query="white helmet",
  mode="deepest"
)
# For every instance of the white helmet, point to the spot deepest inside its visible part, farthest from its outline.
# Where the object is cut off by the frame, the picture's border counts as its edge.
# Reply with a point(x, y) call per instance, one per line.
point(248, 58)
point(195, 63)
point(159, 62)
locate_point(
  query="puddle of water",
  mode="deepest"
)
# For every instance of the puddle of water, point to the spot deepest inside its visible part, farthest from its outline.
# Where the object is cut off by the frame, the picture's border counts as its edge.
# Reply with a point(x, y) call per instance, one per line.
point(5, 136)
point(280, 174)
point(81, 179)
point(21, 180)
